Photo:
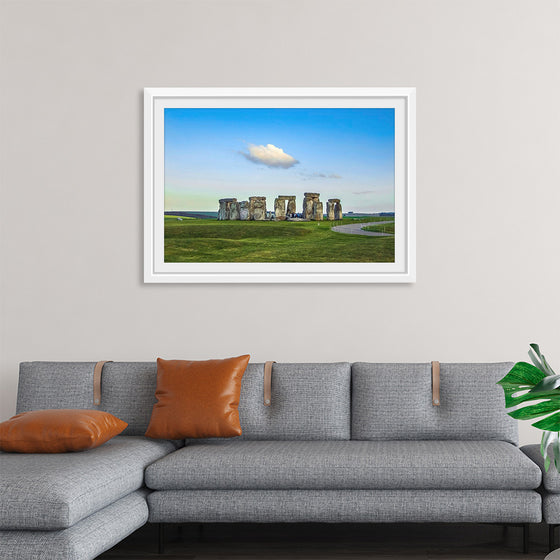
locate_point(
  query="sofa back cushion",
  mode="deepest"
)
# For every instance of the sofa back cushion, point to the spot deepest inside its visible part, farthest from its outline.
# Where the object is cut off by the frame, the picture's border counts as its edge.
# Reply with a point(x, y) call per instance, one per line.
point(394, 402)
point(309, 401)
point(127, 389)
point(45, 385)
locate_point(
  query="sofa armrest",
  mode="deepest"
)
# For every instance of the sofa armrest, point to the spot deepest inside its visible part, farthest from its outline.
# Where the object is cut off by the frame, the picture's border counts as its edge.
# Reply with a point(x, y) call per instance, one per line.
point(551, 479)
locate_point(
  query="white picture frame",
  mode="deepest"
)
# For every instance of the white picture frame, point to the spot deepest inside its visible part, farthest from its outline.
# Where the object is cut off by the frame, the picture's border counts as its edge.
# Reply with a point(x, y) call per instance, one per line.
point(403, 269)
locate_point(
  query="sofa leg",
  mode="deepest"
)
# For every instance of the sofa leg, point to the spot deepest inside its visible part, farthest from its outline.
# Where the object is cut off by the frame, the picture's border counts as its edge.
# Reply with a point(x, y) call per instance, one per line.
point(551, 544)
point(161, 538)
point(525, 538)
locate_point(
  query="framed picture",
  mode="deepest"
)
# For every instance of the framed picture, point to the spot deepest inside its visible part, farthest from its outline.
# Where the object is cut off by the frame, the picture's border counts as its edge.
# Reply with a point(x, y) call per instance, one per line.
point(279, 185)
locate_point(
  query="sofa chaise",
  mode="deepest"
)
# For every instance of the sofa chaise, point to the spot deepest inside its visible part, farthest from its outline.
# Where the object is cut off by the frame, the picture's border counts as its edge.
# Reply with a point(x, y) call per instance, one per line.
point(339, 442)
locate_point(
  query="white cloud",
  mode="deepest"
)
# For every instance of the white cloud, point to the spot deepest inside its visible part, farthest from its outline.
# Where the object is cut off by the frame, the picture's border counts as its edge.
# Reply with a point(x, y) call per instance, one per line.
point(363, 192)
point(269, 155)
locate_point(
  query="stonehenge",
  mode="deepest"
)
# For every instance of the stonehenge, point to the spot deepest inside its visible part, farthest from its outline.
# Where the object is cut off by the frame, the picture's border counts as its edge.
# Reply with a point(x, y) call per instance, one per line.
point(225, 211)
point(243, 210)
point(280, 210)
point(334, 209)
point(284, 208)
point(234, 211)
point(308, 201)
point(330, 209)
point(253, 209)
point(257, 208)
point(317, 210)
point(291, 205)
point(312, 207)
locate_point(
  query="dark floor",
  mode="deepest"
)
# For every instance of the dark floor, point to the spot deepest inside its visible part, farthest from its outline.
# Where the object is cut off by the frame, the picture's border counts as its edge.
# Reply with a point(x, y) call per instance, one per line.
point(340, 542)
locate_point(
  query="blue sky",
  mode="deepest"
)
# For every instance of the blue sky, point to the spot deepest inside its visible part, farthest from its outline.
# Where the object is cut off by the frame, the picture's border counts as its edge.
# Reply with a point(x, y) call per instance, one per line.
point(222, 153)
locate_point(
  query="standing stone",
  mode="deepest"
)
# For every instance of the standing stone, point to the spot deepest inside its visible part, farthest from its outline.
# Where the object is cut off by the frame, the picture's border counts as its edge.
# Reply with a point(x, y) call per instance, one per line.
point(224, 209)
point(308, 200)
point(317, 211)
point(280, 208)
point(330, 210)
point(234, 210)
point(331, 205)
point(244, 210)
point(337, 210)
point(291, 206)
point(257, 207)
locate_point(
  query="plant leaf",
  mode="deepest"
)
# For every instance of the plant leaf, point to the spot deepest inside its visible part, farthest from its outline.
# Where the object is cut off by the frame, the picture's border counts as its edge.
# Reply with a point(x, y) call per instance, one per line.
point(526, 383)
point(535, 348)
point(546, 365)
point(536, 410)
point(547, 384)
point(522, 375)
point(547, 437)
point(512, 400)
point(556, 452)
point(535, 360)
point(550, 423)
point(550, 449)
point(540, 362)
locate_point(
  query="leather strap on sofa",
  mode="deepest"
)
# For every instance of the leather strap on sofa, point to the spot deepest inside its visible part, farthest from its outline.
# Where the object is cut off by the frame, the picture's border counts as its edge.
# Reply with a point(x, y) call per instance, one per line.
point(97, 371)
point(435, 383)
point(268, 383)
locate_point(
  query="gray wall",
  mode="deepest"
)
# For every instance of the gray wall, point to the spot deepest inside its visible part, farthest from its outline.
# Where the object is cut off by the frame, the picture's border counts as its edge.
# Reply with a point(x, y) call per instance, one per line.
point(72, 74)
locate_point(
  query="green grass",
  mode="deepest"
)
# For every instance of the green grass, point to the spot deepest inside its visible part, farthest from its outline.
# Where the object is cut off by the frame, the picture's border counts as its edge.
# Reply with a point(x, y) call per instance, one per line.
point(385, 228)
point(203, 240)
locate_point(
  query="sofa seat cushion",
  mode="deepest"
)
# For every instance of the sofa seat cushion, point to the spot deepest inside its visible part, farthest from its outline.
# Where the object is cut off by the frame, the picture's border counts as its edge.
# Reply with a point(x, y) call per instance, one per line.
point(85, 540)
point(54, 491)
point(321, 465)
point(550, 478)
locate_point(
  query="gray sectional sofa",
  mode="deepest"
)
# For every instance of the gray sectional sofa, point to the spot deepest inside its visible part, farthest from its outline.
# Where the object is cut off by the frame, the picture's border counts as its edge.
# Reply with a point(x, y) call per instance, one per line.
point(340, 442)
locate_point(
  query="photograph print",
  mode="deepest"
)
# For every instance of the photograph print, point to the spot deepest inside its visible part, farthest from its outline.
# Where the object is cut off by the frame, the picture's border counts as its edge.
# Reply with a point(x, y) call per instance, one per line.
point(279, 184)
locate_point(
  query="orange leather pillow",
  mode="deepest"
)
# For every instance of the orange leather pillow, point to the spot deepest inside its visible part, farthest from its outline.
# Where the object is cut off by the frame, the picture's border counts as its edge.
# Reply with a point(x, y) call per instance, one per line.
point(197, 399)
point(58, 431)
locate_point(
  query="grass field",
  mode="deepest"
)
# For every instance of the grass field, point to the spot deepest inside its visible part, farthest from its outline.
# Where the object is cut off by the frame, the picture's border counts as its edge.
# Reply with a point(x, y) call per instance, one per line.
point(384, 228)
point(201, 240)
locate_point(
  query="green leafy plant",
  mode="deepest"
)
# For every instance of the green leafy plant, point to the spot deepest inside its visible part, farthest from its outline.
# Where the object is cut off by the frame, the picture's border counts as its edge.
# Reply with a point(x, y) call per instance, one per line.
point(526, 383)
